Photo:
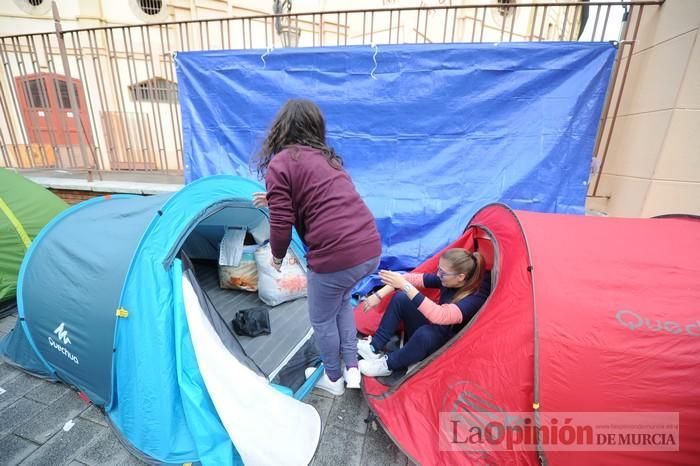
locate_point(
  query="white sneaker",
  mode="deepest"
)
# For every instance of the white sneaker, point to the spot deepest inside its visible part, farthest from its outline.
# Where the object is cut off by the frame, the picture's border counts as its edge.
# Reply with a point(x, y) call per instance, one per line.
point(324, 383)
point(365, 350)
point(374, 367)
point(352, 377)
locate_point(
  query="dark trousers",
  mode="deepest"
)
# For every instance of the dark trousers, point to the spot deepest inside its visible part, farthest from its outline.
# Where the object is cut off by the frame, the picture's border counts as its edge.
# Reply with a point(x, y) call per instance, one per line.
point(422, 337)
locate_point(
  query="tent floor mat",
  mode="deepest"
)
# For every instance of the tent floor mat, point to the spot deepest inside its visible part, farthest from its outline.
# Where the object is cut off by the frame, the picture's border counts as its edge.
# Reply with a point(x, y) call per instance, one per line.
point(289, 321)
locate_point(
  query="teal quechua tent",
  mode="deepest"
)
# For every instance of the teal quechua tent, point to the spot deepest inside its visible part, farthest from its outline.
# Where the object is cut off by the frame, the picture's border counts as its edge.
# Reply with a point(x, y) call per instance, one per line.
point(118, 297)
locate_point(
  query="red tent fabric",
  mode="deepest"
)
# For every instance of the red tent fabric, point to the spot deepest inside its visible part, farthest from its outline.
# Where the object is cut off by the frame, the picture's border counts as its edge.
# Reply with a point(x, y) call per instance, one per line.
point(588, 314)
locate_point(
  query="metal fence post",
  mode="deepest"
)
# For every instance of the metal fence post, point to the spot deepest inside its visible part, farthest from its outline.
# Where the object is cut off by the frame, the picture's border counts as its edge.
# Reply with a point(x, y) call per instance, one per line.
point(75, 110)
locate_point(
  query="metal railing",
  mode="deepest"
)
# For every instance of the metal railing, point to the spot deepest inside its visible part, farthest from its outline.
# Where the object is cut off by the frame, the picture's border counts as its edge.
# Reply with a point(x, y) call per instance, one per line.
point(121, 111)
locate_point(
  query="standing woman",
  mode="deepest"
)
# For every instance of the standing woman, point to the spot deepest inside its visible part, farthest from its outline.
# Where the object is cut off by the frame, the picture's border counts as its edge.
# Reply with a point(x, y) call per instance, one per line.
point(308, 188)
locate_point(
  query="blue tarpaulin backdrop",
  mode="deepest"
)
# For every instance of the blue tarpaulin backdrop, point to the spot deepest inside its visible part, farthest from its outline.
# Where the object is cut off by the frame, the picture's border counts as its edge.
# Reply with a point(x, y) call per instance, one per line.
point(429, 133)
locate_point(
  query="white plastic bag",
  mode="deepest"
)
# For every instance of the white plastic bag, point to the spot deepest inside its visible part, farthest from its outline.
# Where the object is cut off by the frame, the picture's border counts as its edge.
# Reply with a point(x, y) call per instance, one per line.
point(278, 287)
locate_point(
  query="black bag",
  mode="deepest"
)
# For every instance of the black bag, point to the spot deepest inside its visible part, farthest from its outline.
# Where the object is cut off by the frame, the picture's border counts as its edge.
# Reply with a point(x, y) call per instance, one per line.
point(252, 322)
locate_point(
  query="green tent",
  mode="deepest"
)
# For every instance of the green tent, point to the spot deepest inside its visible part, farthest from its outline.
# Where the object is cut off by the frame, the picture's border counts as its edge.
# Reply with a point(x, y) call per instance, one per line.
point(25, 207)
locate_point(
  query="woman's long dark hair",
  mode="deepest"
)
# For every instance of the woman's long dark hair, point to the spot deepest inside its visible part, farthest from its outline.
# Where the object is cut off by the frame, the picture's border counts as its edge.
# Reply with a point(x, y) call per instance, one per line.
point(301, 122)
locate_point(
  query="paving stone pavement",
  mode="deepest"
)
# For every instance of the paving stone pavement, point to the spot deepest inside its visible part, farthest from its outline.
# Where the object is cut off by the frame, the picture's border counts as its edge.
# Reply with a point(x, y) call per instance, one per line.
point(34, 412)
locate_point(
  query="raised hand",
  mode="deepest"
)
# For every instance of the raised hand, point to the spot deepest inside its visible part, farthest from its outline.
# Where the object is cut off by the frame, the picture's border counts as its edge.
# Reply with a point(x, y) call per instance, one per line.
point(393, 279)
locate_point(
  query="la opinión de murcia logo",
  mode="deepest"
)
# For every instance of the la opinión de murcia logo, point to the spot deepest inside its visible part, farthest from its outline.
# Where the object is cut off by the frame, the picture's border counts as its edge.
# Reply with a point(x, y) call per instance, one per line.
point(472, 424)
point(62, 334)
point(634, 321)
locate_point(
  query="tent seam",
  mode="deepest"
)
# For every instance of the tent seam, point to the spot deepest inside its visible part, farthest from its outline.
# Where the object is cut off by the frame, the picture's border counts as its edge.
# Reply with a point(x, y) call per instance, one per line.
point(19, 228)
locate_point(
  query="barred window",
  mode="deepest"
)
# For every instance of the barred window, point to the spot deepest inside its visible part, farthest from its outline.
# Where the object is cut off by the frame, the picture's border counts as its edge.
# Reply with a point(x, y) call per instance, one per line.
point(151, 7)
point(32, 7)
point(35, 93)
point(505, 9)
point(154, 90)
point(62, 94)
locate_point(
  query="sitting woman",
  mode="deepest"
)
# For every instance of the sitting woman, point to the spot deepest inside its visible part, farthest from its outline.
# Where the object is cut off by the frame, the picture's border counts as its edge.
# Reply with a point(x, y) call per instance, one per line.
point(464, 286)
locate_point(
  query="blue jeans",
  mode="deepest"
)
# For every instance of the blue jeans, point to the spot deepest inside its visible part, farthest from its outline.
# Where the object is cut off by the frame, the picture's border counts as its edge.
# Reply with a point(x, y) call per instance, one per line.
point(422, 337)
point(332, 316)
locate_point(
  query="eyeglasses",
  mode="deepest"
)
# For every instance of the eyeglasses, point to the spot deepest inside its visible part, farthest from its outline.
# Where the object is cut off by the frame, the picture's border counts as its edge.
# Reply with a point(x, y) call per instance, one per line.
point(442, 274)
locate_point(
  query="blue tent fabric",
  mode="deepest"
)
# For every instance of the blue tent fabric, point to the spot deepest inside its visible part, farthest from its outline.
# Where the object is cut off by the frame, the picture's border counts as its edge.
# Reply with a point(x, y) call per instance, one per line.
point(441, 131)
point(155, 383)
point(16, 350)
point(100, 286)
point(72, 242)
